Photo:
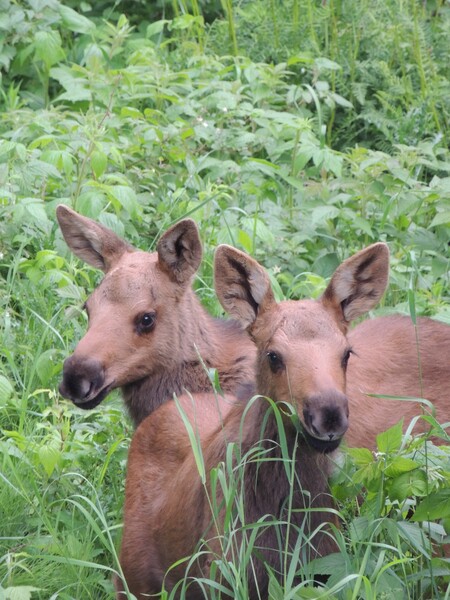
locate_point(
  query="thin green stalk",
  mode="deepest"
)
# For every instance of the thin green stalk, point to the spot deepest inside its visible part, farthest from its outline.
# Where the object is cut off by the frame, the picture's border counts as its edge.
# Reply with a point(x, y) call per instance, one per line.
point(275, 24)
point(227, 6)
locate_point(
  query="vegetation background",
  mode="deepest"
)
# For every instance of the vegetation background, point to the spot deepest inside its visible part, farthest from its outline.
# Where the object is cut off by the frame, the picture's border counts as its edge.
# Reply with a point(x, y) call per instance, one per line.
point(297, 130)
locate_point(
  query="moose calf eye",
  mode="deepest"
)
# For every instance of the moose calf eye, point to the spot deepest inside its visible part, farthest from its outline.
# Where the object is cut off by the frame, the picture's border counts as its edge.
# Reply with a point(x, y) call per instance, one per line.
point(345, 358)
point(275, 361)
point(146, 322)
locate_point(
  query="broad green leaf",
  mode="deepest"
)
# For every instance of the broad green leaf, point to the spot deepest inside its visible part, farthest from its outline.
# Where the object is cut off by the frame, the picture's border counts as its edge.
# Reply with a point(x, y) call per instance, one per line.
point(74, 21)
point(129, 111)
point(413, 483)
point(441, 218)
point(390, 440)
point(49, 457)
point(126, 197)
point(156, 27)
point(361, 456)
point(400, 465)
point(245, 241)
point(20, 592)
point(434, 506)
point(99, 162)
point(48, 47)
point(45, 366)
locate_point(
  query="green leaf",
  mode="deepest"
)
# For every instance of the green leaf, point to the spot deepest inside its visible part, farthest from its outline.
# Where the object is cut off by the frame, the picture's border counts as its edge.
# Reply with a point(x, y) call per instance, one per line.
point(327, 64)
point(130, 111)
point(442, 218)
point(126, 197)
point(409, 484)
point(20, 592)
point(156, 28)
point(6, 389)
point(74, 21)
point(390, 440)
point(48, 47)
point(45, 366)
point(48, 457)
point(361, 456)
point(434, 506)
point(400, 465)
point(99, 162)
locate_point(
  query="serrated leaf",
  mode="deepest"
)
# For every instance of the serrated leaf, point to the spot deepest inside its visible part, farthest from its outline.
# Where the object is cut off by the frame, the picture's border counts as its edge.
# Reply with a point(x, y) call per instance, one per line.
point(126, 197)
point(48, 47)
point(400, 465)
point(361, 456)
point(409, 484)
point(390, 440)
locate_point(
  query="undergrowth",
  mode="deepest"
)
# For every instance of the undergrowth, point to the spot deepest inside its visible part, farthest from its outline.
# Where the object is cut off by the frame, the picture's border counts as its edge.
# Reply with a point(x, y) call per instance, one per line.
point(298, 131)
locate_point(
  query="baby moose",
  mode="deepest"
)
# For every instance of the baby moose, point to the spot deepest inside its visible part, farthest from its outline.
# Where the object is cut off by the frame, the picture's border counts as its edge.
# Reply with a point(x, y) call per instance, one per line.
point(167, 506)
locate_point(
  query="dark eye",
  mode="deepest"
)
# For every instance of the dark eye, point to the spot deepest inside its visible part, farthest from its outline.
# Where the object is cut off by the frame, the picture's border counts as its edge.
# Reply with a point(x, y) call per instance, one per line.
point(345, 358)
point(275, 361)
point(146, 322)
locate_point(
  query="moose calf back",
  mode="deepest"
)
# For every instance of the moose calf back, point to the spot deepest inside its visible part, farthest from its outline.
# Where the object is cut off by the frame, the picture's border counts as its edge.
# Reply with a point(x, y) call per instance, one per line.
point(393, 357)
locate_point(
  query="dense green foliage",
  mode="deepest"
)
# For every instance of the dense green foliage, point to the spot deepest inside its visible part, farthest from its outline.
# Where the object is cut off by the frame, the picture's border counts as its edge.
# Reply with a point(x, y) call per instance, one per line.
point(299, 131)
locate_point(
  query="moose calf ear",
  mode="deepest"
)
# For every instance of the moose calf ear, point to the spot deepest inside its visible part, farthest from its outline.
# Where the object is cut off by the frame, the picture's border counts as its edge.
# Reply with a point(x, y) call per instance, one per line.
point(242, 285)
point(180, 251)
point(95, 244)
point(359, 282)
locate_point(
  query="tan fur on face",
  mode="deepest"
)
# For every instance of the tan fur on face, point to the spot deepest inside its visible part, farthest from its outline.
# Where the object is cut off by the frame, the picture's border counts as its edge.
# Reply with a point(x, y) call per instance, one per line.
point(174, 354)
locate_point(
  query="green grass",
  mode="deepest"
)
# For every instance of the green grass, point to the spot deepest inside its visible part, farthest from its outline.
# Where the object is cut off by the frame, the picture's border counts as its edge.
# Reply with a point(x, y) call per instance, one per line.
point(299, 132)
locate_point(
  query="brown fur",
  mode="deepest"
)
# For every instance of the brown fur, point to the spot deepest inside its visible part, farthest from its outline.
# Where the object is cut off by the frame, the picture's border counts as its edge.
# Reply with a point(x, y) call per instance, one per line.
point(150, 366)
point(166, 510)
point(388, 359)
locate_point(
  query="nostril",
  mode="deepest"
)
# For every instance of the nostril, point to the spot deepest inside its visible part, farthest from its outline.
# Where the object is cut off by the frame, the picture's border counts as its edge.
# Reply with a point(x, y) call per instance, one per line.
point(85, 388)
point(314, 429)
point(82, 378)
point(326, 415)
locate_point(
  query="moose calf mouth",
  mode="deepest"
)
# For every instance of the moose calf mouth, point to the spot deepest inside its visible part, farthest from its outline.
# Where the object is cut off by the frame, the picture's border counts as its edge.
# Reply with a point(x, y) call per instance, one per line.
point(320, 445)
point(89, 404)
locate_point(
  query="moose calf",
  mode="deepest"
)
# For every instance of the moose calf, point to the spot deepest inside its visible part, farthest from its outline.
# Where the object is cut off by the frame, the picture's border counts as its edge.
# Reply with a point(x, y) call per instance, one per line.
point(302, 358)
point(148, 333)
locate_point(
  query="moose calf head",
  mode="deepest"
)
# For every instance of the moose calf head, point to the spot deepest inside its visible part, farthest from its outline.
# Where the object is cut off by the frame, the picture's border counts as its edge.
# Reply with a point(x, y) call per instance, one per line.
point(302, 345)
point(135, 324)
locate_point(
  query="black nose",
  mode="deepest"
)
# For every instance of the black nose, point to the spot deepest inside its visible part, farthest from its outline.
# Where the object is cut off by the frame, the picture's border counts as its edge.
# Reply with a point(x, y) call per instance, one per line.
point(82, 379)
point(326, 415)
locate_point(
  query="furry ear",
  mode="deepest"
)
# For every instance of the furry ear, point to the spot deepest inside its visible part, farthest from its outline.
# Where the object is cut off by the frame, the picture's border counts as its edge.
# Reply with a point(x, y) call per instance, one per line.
point(95, 244)
point(358, 283)
point(242, 285)
point(180, 251)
